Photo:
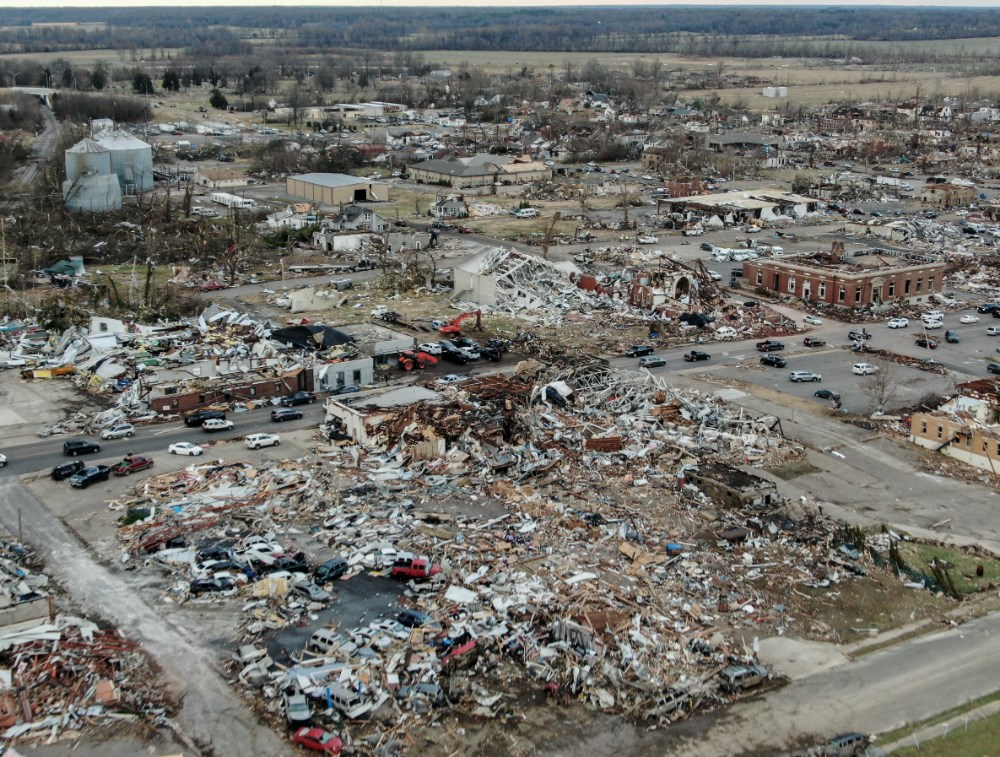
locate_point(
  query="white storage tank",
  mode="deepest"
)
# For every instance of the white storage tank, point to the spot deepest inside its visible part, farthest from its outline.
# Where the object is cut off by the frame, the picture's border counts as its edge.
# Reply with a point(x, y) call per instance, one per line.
point(87, 156)
point(131, 160)
point(92, 193)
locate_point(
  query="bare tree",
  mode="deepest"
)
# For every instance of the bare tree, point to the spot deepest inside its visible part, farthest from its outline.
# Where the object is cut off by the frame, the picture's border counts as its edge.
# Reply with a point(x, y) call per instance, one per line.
point(882, 385)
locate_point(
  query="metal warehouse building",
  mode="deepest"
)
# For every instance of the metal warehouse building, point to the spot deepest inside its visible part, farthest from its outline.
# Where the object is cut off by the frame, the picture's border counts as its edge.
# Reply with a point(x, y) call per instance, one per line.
point(336, 188)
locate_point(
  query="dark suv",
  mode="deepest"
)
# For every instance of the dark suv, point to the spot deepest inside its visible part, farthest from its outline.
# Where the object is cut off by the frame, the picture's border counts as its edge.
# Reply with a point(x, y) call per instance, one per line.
point(299, 398)
point(200, 416)
point(285, 414)
point(65, 470)
point(639, 350)
point(75, 447)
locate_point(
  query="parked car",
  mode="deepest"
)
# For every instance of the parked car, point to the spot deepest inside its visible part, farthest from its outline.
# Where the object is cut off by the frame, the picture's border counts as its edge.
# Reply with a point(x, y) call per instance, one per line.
point(993, 331)
point(65, 470)
point(200, 416)
point(491, 354)
point(859, 335)
point(431, 348)
point(775, 361)
point(813, 320)
point(297, 709)
point(846, 745)
point(951, 336)
point(74, 447)
point(751, 304)
point(216, 424)
point(897, 323)
point(118, 431)
point(310, 591)
point(639, 350)
point(647, 239)
point(414, 618)
point(989, 307)
point(827, 394)
point(256, 441)
point(451, 378)
point(285, 414)
point(132, 464)
point(969, 318)
point(218, 584)
point(651, 361)
point(212, 286)
point(811, 341)
point(464, 230)
point(769, 345)
point(185, 448)
point(932, 324)
point(89, 475)
point(864, 369)
point(331, 570)
point(414, 567)
point(696, 356)
point(993, 368)
point(926, 342)
point(345, 389)
point(706, 246)
point(800, 376)
point(318, 740)
point(298, 398)
point(743, 677)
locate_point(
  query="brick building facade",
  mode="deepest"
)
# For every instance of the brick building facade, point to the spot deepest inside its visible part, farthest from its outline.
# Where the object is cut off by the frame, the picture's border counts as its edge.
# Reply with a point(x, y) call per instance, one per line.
point(873, 279)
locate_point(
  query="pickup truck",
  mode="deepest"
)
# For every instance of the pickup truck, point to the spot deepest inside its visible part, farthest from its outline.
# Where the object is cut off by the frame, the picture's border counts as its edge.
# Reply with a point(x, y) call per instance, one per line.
point(769, 345)
point(811, 341)
point(90, 475)
point(132, 464)
point(417, 568)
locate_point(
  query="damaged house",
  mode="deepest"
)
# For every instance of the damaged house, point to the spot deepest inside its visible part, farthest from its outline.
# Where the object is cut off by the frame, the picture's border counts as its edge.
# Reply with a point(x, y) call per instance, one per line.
point(966, 427)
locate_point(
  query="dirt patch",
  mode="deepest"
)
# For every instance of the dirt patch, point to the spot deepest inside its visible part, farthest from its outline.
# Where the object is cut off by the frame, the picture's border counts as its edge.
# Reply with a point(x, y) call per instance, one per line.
point(793, 470)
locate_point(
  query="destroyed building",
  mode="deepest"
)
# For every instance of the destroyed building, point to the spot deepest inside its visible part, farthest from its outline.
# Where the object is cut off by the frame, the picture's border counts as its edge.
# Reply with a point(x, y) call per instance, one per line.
point(965, 427)
point(733, 487)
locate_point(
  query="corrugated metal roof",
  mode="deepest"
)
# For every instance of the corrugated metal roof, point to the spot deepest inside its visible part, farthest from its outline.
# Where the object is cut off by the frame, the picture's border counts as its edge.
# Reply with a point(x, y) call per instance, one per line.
point(334, 180)
point(122, 140)
point(87, 145)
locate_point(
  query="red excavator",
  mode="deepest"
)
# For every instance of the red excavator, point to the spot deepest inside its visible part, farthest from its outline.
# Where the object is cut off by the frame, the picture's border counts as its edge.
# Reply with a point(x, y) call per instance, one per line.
point(455, 327)
point(410, 359)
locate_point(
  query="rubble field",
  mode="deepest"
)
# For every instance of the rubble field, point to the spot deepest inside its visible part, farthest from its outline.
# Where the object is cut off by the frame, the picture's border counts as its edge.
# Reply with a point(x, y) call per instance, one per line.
point(570, 541)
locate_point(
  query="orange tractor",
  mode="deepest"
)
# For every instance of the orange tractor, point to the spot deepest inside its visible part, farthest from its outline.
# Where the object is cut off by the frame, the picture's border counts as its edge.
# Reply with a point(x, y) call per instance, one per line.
point(410, 359)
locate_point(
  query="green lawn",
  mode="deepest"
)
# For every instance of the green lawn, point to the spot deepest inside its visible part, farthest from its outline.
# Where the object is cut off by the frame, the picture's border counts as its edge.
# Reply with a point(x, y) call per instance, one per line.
point(963, 569)
point(980, 738)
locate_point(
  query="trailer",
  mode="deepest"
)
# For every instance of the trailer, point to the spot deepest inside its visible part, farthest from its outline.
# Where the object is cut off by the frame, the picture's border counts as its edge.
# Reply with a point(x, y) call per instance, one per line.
point(233, 201)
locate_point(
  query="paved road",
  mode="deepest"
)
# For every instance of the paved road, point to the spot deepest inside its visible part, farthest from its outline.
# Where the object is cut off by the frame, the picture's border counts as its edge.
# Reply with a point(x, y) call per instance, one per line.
point(44, 148)
point(211, 714)
point(153, 439)
point(877, 693)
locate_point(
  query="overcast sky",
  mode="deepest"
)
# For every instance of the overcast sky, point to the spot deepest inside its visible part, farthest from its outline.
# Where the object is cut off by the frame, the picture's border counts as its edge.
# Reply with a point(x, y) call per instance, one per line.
point(479, 3)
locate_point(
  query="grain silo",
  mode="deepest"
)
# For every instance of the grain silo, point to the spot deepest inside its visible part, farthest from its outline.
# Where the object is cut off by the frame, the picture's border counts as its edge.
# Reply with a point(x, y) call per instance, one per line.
point(131, 161)
point(86, 156)
point(92, 193)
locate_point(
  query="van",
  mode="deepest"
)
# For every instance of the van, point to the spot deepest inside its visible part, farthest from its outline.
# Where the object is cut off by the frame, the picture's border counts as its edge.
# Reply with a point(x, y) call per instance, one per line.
point(846, 745)
point(651, 361)
point(344, 700)
point(526, 213)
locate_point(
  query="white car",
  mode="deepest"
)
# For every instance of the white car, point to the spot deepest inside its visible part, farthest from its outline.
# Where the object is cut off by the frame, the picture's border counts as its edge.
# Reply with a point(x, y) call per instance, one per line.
point(256, 441)
point(647, 240)
point(715, 275)
point(969, 319)
point(898, 323)
point(185, 448)
point(726, 332)
point(451, 378)
point(647, 177)
point(431, 348)
point(993, 331)
point(933, 324)
point(813, 320)
point(864, 369)
point(3, 460)
point(217, 424)
point(933, 315)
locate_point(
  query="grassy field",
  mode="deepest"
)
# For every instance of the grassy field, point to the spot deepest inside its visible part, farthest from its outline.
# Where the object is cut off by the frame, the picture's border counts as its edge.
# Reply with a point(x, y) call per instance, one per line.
point(90, 57)
point(968, 735)
point(963, 569)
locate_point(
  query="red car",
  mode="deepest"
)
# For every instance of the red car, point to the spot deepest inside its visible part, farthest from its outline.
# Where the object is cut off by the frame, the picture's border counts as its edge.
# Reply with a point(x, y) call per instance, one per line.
point(212, 286)
point(464, 230)
point(418, 568)
point(132, 464)
point(318, 740)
